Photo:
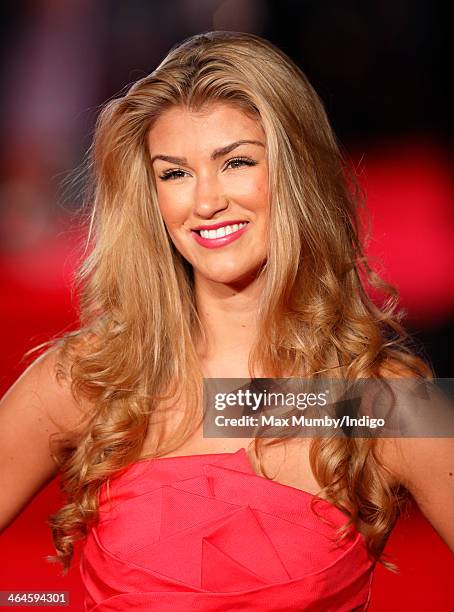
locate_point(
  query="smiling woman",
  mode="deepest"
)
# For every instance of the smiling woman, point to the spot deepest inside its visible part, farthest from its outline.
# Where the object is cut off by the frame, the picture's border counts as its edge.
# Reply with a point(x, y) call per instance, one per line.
point(215, 202)
point(225, 244)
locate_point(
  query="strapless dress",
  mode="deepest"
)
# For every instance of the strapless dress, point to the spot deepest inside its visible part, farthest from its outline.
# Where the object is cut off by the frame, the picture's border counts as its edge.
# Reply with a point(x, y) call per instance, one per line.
point(205, 532)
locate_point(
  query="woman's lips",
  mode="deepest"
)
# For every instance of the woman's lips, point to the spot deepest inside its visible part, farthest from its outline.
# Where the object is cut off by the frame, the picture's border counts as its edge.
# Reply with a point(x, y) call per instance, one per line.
point(214, 243)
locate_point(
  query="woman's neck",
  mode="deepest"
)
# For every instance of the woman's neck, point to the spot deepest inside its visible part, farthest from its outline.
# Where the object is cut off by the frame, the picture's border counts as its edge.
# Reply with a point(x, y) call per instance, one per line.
point(229, 319)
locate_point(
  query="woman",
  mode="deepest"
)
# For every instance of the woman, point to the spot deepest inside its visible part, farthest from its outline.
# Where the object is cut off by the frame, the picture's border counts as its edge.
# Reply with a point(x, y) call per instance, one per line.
point(224, 245)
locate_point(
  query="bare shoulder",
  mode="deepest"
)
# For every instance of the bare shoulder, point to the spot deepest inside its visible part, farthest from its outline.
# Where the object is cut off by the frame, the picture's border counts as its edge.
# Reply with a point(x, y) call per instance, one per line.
point(39, 404)
point(392, 451)
point(44, 389)
point(425, 467)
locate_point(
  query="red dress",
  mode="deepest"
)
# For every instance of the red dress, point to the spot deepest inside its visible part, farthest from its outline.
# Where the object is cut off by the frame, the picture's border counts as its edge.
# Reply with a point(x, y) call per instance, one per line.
point(205, 532)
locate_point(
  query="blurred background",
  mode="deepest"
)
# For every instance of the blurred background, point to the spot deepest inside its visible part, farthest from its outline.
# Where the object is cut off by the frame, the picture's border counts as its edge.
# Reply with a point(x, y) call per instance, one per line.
point(382, 69)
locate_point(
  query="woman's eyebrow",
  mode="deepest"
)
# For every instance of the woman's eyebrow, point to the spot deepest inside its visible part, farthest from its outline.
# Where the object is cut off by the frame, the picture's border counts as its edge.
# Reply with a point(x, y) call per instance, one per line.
point(215, 155)
point(227, 149)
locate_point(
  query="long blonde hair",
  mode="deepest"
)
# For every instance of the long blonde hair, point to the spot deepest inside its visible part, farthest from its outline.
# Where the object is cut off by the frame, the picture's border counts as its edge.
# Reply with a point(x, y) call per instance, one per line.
point(138, 321)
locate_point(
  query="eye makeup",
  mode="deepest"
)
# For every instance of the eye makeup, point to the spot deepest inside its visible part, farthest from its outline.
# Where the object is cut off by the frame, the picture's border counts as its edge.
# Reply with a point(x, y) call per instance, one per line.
point(177, 173)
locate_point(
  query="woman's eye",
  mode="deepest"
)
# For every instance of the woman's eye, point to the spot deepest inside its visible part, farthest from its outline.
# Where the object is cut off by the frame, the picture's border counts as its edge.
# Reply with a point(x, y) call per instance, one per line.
point(240, 161)
point(237, 162)
point(171, 174)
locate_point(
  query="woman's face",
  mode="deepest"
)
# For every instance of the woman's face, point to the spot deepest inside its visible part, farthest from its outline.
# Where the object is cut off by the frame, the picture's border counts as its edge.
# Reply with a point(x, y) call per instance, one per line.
point(211, 177)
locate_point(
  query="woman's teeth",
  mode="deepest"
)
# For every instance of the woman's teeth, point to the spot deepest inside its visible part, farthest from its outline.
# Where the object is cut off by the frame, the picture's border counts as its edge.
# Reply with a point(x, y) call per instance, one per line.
point(222, 231)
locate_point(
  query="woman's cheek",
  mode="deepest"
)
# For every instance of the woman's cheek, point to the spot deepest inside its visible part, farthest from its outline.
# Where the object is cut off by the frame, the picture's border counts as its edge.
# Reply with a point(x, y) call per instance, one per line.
point(170, 208)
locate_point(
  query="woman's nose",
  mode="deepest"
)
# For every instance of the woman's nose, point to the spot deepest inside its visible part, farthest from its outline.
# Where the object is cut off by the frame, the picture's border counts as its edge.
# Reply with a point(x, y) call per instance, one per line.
point(209, 197)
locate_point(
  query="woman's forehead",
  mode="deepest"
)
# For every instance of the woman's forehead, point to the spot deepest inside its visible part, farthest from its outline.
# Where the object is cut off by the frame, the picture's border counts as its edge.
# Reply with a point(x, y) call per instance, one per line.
point(216, 125)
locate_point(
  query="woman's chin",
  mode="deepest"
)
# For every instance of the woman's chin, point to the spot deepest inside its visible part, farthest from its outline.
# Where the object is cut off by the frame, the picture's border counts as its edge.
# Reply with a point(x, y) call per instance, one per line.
point(238, 279)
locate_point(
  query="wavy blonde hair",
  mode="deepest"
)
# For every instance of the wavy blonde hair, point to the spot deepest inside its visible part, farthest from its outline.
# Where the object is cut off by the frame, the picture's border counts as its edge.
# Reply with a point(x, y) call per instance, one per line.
point(138, 321)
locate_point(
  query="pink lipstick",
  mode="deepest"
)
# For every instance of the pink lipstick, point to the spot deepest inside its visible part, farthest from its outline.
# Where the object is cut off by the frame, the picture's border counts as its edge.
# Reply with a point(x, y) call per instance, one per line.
point(214, 243)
